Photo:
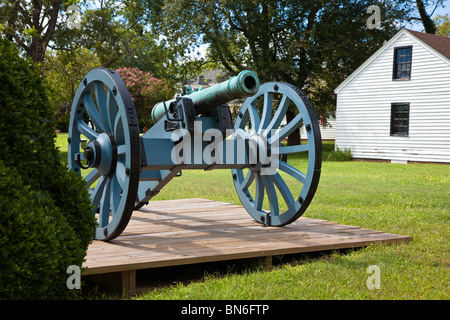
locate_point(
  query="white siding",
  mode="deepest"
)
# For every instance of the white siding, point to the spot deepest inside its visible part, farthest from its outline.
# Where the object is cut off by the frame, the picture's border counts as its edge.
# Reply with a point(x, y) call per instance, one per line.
point(327, 132)
point(363, 111)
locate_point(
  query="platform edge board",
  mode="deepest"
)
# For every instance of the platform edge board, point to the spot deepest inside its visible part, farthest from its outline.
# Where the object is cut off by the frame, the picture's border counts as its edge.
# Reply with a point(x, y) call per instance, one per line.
point(180, 260)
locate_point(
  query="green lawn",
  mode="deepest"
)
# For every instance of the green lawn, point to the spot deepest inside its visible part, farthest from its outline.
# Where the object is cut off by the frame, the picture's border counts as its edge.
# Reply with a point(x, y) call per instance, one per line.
point(412, 199)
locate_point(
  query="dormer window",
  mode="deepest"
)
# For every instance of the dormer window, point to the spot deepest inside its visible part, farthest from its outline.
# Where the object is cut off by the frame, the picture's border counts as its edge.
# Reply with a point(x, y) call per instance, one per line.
point(402, 63)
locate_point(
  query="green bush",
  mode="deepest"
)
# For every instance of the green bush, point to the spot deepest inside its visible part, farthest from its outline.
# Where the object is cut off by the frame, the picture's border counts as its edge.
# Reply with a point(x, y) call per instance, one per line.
point(37, 245)
point(54, 205)
point(338, 155)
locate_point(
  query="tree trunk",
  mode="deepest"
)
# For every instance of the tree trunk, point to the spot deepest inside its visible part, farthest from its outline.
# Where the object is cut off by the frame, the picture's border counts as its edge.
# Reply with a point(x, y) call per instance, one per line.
point(37, 49)
point(428, 23)
point(294, 138)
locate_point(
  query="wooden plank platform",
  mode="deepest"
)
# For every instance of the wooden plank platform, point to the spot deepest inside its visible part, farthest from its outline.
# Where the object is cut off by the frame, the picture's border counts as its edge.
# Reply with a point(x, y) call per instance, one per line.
point(188, 231)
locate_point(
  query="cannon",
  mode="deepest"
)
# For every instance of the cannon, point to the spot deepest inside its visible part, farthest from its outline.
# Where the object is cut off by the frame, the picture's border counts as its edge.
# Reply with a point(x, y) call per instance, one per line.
point(123, 169)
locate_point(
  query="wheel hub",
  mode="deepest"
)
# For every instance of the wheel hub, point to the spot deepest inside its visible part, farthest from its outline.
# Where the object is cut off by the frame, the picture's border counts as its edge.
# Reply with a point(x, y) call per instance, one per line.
point(102, 154)
point(258, 152)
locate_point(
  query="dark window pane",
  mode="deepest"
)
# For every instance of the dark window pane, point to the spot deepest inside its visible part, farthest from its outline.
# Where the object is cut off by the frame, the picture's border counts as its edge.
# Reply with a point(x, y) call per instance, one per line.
point(399, 119)
point(402, 63)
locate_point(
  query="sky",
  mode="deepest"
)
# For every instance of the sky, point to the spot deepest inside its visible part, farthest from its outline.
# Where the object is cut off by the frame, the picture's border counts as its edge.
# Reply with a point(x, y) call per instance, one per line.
point(443, 11)
point(417, 25)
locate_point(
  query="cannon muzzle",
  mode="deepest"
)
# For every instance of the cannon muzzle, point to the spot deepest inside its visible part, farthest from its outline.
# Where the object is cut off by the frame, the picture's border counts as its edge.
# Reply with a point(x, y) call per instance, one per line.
point(245, 84)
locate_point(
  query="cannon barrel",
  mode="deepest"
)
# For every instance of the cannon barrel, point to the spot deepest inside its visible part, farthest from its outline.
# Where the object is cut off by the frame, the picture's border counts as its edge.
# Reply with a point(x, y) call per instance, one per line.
point(245, 84)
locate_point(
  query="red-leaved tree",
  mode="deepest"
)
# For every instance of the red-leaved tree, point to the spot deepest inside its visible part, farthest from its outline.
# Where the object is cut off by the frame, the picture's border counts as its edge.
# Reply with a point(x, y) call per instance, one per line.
point(146, 91)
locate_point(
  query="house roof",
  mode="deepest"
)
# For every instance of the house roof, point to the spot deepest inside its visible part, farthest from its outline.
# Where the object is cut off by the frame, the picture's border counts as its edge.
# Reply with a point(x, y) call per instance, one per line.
point(438, 44)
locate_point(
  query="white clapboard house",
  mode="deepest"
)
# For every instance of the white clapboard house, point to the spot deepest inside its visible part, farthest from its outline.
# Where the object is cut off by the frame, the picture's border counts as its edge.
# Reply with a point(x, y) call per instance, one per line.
point(396, 105)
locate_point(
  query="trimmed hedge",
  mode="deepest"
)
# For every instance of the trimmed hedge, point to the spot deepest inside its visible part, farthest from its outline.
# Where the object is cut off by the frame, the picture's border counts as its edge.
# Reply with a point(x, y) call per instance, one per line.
point(46, 221)
point(37, 245)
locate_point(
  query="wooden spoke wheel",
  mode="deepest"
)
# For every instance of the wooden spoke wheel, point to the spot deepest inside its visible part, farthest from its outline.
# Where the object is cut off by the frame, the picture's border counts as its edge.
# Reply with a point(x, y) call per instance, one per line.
point(279, 193)
point(103, 114)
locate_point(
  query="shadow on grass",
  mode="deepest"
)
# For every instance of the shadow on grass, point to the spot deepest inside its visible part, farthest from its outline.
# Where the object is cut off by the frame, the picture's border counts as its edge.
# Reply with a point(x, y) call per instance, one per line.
point(149, 279)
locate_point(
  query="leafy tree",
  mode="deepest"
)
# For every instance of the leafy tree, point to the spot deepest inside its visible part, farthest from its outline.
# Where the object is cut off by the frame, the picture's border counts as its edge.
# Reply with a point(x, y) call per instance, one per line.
point(311, 44)
point(63, 71)
point(443, 25)
point(110, 35)
point(112, 29)
point(103, 30)
point(31, 24)
point(146, 91)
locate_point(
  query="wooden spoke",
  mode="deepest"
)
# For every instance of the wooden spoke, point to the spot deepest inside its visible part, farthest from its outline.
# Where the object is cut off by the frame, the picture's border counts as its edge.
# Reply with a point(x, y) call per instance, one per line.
point(85, 130)
point(93, 113)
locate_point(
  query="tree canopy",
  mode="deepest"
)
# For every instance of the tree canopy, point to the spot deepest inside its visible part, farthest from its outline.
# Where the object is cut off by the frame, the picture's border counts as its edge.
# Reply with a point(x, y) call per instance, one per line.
point(312, 44)
point(442, 25)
